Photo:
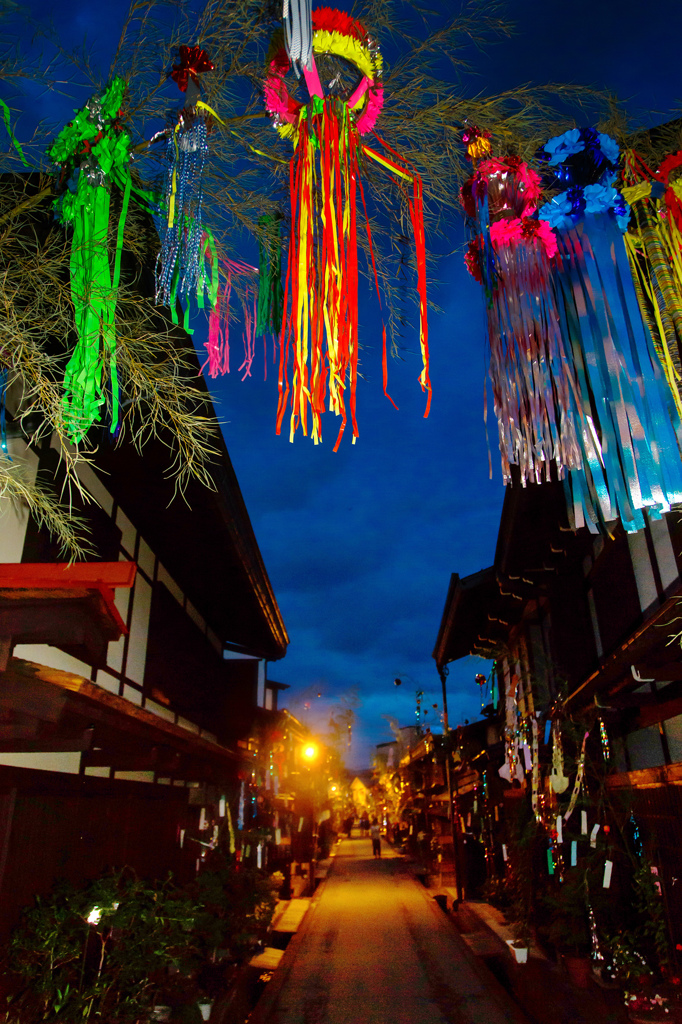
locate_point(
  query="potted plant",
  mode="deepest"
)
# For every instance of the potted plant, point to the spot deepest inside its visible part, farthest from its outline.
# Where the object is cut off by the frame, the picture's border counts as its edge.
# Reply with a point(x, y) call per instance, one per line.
point(100, 951)
point(568, 929)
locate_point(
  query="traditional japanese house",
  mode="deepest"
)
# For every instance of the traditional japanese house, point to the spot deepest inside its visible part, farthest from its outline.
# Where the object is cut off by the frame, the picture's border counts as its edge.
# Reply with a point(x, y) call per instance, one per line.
point(591, 621)
point(130, 683)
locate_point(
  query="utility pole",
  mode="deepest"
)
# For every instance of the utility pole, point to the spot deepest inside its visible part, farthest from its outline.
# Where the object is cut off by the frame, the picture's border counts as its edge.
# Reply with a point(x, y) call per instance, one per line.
point(454, 828)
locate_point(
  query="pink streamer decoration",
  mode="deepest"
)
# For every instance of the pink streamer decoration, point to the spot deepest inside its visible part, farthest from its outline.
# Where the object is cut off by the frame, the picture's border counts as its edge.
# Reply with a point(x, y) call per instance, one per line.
point(218, 344)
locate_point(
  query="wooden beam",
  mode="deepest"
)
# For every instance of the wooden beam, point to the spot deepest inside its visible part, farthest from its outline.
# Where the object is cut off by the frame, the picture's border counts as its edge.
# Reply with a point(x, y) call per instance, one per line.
point(59, 575)
point(99, 705)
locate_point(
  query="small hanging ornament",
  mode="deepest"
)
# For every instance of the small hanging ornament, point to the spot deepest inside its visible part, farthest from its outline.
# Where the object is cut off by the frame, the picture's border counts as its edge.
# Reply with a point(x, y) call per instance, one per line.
point(578, 780)
point(187, 263)
point(631, 442)
point(557, 779)
point(319, 341)
point(93, 153)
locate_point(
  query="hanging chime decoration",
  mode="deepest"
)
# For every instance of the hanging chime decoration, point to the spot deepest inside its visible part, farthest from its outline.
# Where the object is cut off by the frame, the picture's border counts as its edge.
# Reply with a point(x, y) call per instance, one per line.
point(187, 264)
point(654, 247)
point(629, 424)
point(93, 153)
point(510, 254)
point(319, 336)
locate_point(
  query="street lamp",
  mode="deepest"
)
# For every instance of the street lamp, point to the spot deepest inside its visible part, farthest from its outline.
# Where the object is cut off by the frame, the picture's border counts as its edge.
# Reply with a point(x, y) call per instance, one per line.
point(310, 752)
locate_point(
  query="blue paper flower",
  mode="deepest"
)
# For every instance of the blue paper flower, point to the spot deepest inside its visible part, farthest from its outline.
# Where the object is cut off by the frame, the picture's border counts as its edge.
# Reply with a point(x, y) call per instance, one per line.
point(563, 211)
point(599, 198)
point(609, 148)
point(563, 146)
point(557, 212)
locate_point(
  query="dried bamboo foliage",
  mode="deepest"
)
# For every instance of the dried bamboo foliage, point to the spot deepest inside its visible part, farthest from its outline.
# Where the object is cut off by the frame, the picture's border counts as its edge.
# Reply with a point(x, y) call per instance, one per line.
point(428, 99)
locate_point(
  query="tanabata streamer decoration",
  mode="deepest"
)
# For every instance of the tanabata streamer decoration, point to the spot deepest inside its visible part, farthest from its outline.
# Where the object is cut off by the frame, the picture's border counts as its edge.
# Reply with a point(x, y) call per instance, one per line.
point(654, 248)
point(630, 426)
point(270, 292)
point(320, 334)
point(510, 255)
point(187, 263)
point(93, 152)
point(241, 278)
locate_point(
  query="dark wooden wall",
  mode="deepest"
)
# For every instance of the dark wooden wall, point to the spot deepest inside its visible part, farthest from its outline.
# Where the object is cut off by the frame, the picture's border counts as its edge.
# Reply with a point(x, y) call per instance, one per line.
point(55, 826)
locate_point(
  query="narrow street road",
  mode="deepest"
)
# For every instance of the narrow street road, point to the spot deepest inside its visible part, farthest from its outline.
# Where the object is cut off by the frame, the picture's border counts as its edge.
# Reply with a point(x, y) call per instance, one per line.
point(376, 950)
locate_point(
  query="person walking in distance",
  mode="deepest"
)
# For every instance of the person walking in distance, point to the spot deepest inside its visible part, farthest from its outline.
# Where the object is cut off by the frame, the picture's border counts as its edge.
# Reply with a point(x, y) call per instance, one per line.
point(375, 833)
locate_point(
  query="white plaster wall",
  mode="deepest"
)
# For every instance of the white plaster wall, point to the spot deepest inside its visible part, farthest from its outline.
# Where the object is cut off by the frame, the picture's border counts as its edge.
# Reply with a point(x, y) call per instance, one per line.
point(137, 643)
point(128, 532)
point(44, 654)
point(13, 517)
point(644, 573)
point(67, 761)
point(95, 487)
point(665, 555)
point(164, 577)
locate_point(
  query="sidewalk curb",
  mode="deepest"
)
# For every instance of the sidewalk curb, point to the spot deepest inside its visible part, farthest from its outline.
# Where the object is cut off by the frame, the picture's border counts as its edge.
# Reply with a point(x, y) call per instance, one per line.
point(506, 1001)
point(268, 1000)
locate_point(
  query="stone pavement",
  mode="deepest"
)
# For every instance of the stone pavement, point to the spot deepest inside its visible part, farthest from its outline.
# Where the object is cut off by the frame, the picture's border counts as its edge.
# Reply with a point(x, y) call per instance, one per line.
point(375, 949)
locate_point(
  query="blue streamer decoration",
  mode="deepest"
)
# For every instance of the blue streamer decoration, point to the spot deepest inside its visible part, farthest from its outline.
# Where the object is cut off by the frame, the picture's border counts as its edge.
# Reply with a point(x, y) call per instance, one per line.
point(632, 433)
point(180, 266)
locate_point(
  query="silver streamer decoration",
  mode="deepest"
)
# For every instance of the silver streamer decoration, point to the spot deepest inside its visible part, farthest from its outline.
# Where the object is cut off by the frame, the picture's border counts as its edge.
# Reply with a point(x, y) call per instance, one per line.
point(297, 16)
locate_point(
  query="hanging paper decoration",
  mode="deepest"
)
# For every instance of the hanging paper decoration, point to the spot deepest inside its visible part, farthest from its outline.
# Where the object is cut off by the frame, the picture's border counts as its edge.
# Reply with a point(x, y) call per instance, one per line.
point(218, 344)
point(654, 248)
point(510, 254)
point(629, 425)
point(187, 264)
point(320, 335)
point(578, 780)
point(298, 34)
point(93, 152)
point(270, 291)
point(557, 779)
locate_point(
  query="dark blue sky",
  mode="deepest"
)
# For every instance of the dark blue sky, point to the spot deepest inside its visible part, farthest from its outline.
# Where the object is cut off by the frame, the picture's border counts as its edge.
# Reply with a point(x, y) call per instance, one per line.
point(360, 544)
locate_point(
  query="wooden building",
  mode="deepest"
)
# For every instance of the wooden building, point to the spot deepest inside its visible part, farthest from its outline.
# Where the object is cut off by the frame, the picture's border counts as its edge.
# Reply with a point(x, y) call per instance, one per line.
point(129, 684)
point(593, 620)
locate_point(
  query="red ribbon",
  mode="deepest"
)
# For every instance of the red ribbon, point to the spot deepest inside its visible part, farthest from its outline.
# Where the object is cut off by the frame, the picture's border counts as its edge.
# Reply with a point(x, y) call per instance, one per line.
point(193, 61)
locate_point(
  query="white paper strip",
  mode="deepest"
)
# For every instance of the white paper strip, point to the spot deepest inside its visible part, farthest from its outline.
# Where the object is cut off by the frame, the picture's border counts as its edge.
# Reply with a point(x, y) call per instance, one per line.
point(583, 822)
point(608, 867)
point(593, 835)
point(504, 851)
point(559, 831)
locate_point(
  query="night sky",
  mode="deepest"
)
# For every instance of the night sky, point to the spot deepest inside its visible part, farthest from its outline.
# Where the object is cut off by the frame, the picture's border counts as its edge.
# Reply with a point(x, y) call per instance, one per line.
point(360, 544)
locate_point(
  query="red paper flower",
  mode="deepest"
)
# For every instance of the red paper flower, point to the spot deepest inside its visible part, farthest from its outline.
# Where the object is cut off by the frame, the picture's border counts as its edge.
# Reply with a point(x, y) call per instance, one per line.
point(193, 61)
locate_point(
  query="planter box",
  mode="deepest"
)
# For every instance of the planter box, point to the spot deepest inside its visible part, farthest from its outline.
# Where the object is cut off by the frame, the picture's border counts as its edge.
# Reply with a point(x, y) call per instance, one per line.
point(520, 953)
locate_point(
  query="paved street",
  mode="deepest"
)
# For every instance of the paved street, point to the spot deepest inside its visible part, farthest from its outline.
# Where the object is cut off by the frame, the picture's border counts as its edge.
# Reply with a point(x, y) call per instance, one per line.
point(376, 950)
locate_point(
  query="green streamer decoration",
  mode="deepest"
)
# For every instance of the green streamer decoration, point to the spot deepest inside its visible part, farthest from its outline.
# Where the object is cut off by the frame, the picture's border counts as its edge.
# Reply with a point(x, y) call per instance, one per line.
point(6, 118)
point(93, 152)
point(270, 291)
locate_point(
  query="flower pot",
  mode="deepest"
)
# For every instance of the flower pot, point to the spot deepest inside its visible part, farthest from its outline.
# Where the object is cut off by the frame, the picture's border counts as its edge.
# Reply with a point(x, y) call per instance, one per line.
point(520, 952)
point(579, 970)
